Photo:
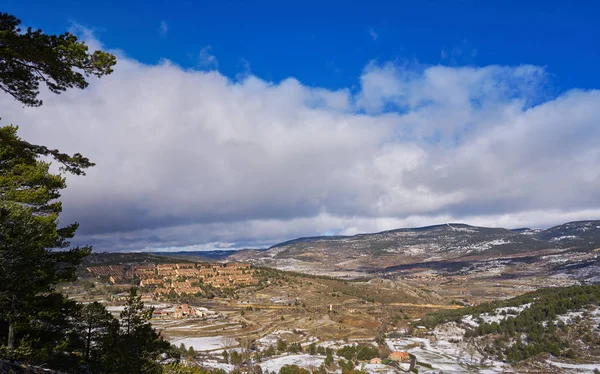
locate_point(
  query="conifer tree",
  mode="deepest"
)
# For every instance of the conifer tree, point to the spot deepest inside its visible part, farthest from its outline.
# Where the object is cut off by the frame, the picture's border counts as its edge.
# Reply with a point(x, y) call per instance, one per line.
point(141, 345)
point(30, 57)
point(30, 264)
point(34, 253)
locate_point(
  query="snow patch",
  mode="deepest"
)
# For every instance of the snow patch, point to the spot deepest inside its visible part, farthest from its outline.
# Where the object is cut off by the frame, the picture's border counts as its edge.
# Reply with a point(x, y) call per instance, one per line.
point(304, 361)
point(207, 343)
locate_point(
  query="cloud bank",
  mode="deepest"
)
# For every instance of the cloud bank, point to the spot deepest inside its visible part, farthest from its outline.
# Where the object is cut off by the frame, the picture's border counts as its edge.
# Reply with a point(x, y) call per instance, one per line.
point(190, 159)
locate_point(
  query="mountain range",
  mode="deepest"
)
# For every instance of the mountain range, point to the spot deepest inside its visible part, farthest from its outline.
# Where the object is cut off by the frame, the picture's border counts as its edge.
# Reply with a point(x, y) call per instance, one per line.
point(451, 241)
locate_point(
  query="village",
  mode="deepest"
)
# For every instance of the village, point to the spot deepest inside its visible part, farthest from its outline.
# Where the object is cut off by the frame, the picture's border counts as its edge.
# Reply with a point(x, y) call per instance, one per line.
point(186, 278)
point(269, 319)
point(294, 312)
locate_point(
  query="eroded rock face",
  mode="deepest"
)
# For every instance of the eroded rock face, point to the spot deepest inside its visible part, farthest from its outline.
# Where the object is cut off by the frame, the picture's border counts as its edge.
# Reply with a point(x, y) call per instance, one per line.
point(7, 367)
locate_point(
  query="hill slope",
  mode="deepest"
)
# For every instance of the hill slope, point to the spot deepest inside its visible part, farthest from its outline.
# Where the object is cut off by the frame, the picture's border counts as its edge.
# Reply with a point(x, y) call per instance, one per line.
point(410, 245)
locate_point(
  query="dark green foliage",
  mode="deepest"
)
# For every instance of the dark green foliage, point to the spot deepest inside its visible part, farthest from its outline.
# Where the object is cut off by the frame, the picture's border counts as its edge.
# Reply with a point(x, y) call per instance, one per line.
point(30, 238)
point(37, 324)
point(281, 345)
point(425, 365)
point(130, 345)
point(367, 352)
point(563, 299)
point(538, 322)
point(75, 164)
point(347, 351)
point(294, 348)
point(30, 57)
point(67, 336)
point(270, 351)
point(348, 367)
point(235, 358)
point(176, 368)
point(293, 369)
point(358, 352)
point(140, 345)
point(48, 334)
point(94, 322)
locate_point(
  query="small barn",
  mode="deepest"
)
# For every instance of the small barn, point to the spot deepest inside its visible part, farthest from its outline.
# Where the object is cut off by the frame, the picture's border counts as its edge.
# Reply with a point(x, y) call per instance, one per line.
point(399, 356)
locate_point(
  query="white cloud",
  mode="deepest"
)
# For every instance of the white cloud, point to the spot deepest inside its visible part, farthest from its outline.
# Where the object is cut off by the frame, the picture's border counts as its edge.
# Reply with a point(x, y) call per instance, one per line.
point(86, 34)
point(192, 159)
point(374, 35)
point(206, 59)
point(244, 66)
point(163, 29)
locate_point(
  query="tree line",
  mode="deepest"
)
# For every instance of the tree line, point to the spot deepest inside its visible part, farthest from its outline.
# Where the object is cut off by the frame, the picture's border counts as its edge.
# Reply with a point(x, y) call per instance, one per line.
point(533, 330)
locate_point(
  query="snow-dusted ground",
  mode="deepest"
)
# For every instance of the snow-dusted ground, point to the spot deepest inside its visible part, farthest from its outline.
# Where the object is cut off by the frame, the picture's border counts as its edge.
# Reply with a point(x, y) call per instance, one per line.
point(449, 331)
point(399, 344)
point(454, 357)
point(445, 356)
point(559, 238)
point(271, 339)
point(496, 316)
point(117, 308)
point(576, 368)
point(381, 369)
point(208, 343)
point(212, 364)
point(199, 326)
point(450, 358)
point(337, 344)
point(569, 318)
point(304, 360)
point(159, 306)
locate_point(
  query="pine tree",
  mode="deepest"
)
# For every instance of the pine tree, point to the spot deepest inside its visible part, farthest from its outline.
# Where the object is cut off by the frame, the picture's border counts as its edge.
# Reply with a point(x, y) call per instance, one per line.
point(33, 258)
point(30, 57)
point(94, 323)
point(141, 344)
point(33, 249)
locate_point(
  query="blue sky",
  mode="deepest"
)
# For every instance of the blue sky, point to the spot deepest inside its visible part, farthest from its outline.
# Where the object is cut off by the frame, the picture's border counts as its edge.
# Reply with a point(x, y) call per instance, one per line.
point(328, 43)
point(244, 124)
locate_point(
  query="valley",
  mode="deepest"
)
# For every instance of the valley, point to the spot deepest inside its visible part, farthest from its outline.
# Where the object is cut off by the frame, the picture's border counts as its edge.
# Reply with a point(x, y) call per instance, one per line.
point(251, 304)
point(276, 322)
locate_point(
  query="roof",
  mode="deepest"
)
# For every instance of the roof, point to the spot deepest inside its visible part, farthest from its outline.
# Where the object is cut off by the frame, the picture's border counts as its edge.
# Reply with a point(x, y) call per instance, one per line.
point(399, 355)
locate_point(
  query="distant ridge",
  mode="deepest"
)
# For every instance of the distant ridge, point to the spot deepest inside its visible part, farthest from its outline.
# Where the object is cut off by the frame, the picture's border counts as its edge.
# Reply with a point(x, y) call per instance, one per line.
point(444, 241)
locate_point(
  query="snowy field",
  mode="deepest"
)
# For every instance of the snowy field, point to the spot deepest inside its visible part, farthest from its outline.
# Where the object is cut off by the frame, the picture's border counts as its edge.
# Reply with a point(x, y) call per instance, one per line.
point(118, 308)
point(271, 338)
point(208, 343)
point(304, 360)
point(576, 368)
point(381, 369)
point(212, 364)
point(496, 316)
point(445, 356)
point(440, 353)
